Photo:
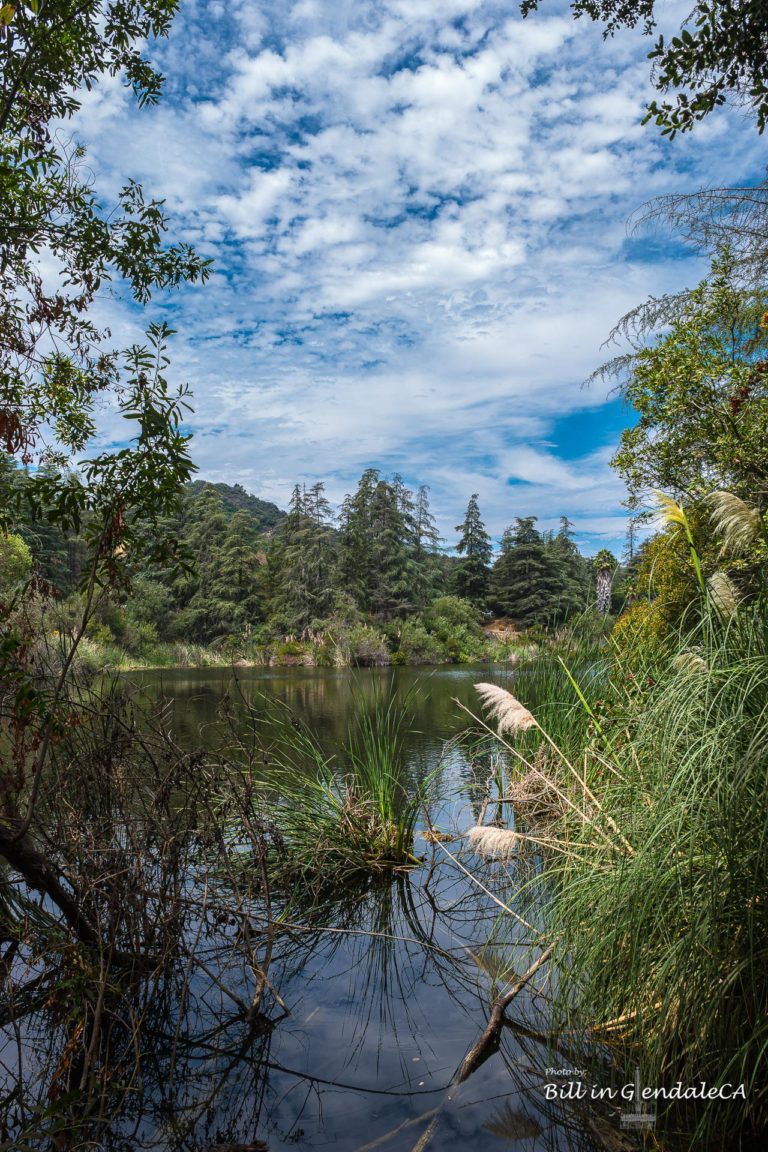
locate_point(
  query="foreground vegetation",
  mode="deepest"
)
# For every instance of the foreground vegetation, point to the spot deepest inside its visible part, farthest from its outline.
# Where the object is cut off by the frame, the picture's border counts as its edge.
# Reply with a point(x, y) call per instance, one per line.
point(651, 811)
point(336, 817)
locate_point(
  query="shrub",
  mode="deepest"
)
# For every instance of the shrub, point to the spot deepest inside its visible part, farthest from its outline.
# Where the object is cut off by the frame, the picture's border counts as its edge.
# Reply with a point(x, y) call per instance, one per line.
point(417, 646)
point(15, 561)
point(367, 647)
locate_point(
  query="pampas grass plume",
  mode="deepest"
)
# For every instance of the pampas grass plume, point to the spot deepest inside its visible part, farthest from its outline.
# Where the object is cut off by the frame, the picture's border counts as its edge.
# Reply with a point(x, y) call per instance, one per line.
point(735, 522)
point(503, 707)
point(497, 843)
point(690, 662)
point(723, 592)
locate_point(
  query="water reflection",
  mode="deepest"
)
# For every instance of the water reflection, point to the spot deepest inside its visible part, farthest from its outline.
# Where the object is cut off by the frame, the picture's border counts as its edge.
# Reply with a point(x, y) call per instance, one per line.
point(384, 993)
point(369, 1004)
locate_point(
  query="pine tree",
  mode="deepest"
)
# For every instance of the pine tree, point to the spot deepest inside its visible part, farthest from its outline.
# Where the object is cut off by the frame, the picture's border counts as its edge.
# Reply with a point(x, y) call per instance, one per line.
point(240, 570)
point(573, 573)
point(525, 581)
point(391, 589)
point(472, 573)
point(208, 595)
point(426, 543)
point(301, 560)
point(320, 549)
point(356, 549)
point(377, 547)
point(287, 569)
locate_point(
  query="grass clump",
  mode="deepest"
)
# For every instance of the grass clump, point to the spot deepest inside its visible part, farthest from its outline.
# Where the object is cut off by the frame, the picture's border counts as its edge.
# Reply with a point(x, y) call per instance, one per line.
point(346, 815)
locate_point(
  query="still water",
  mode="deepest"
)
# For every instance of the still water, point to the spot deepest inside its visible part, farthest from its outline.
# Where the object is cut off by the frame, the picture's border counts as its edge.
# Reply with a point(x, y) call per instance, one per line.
point(375, 996)
point(378, 1024)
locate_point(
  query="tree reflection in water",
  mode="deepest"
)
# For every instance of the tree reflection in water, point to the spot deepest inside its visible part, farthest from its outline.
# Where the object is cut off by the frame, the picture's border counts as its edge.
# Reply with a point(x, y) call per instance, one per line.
point(340, 1022)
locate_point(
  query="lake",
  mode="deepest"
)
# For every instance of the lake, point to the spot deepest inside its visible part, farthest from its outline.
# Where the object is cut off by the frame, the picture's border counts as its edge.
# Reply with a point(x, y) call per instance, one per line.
point(377, 993)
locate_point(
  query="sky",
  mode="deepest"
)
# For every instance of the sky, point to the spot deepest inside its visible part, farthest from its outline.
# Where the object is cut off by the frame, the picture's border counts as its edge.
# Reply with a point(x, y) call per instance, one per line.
point(418, 216)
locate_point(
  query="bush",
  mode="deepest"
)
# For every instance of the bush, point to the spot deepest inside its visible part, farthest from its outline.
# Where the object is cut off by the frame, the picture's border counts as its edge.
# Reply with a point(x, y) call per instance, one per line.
point(449, 612)
point(15, 561)
point(417, 646)
point(640, 633)
point(367, 647)
point(291, 652)
point(454, 624)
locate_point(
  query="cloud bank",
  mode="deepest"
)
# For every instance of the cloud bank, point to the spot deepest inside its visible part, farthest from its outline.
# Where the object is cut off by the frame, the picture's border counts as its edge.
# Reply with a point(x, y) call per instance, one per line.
point(417, 215)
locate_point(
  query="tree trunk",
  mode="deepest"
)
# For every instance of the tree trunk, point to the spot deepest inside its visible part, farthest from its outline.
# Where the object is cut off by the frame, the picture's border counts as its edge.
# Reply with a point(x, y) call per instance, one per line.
point(41, 875)
point(603, 591)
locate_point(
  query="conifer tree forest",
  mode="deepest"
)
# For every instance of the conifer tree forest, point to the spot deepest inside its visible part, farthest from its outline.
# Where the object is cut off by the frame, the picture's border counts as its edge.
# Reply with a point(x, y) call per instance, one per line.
point(373, 579)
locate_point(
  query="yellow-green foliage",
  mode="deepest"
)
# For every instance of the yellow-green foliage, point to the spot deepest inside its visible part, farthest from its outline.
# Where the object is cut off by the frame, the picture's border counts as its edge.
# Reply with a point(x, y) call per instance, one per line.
point(640, 631)
point(15, 561)
point(666, 586)
point(667, 576)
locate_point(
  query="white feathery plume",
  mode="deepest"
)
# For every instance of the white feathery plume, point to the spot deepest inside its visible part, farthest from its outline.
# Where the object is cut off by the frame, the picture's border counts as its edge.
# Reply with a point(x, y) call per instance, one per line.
point(734, 521)
point(723, 592)
point(689, 662)
point(495, 843)
point(503, 707)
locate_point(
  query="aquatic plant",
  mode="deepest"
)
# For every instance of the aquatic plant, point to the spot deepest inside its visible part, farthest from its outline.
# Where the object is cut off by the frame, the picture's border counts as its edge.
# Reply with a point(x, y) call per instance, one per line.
point(343, 815)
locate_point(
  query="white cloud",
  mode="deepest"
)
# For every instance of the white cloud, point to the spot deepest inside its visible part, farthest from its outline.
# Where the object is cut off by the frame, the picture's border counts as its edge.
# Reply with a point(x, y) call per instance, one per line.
point(418, 220)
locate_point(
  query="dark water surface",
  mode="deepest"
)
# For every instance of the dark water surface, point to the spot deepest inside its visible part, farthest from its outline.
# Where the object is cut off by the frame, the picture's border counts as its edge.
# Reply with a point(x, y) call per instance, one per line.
point(379, 1024)
point(379, 993)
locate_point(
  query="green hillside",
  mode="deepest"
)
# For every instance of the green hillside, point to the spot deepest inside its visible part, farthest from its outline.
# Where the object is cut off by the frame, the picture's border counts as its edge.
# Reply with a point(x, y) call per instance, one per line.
point(234, 497)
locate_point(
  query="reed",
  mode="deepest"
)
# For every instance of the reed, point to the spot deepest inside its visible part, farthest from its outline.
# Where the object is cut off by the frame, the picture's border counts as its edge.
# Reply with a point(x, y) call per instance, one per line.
point(345, 815)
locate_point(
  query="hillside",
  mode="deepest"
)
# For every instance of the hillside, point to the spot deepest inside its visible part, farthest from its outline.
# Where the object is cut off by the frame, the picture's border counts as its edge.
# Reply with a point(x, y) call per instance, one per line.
point(266, 515)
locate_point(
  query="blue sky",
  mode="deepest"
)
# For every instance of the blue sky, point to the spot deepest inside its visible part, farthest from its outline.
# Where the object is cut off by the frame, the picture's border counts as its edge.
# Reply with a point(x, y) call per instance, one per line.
point(418, 215)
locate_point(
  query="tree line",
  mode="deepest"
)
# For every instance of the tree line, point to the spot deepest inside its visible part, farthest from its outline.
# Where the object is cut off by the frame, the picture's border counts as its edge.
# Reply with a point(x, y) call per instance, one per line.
point(241, 564)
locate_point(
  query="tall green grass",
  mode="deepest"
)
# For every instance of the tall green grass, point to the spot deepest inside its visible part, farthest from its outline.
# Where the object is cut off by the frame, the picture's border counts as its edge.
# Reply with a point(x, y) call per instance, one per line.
point(351, 813)
point(659, 870)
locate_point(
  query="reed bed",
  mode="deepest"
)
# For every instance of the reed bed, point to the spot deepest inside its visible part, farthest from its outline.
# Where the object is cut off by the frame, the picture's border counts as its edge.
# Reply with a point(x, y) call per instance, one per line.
point(658, 869)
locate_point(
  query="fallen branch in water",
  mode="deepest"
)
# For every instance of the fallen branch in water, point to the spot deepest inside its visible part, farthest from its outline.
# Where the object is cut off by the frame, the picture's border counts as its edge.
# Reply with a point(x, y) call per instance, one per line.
point(489, 1041)
point(485, 1046)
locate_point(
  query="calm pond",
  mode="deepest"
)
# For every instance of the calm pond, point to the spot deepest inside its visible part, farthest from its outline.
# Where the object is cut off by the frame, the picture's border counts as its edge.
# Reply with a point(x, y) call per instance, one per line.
point(377, 995)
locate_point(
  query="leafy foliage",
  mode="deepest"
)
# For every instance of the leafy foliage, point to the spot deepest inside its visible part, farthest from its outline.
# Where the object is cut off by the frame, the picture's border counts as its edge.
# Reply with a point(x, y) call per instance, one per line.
point(56, 363)
point(701, 394)
point(720, 52)
point(15, 561)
